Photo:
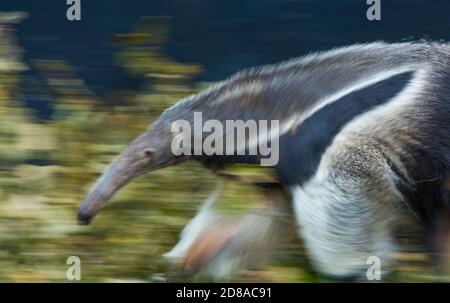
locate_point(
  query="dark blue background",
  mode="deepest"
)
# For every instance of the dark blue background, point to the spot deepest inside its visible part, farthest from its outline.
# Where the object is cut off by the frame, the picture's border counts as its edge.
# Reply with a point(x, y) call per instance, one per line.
point(222, 36)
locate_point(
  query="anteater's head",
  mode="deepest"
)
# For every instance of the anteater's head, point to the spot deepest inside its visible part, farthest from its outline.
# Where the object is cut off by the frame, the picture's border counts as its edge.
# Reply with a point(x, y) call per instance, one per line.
point(236, 99)
point(149, 151)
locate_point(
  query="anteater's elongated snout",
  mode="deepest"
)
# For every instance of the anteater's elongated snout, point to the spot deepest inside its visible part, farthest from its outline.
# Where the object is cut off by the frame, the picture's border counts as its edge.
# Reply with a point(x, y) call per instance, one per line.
point(149, 151)
point(94, 201)
point(103, 190)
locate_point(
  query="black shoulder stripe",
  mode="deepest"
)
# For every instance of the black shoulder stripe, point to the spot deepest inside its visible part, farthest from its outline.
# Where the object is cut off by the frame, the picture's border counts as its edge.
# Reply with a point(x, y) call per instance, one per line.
point(301, 151)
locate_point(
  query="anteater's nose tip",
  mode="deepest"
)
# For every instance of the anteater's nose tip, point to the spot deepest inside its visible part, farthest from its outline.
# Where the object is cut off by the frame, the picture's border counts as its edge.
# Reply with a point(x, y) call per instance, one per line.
point(83, 219)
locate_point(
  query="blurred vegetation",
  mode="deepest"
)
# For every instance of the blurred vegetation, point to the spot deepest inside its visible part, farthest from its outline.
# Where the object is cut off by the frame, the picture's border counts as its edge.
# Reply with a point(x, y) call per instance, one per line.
point(46, 167)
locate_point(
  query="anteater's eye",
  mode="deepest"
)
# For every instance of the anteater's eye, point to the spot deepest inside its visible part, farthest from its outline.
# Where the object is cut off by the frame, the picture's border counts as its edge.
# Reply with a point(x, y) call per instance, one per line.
point(148, 153)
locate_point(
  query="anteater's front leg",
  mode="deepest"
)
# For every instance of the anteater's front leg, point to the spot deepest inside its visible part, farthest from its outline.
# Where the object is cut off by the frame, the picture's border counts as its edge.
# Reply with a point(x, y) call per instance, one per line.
point(222, 246)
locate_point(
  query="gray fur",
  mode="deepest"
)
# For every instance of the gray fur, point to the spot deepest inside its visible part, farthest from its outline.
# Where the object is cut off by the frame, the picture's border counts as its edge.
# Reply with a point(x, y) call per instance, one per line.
point(394, 157)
